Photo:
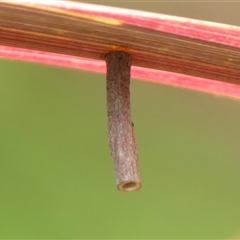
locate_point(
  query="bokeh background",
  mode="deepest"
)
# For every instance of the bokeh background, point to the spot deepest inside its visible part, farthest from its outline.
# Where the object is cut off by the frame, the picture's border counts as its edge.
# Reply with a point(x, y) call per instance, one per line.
point(56, 173)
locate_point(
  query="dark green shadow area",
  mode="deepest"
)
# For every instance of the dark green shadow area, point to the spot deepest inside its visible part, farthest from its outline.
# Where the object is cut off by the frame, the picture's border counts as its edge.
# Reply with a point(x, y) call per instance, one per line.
point(56, 174)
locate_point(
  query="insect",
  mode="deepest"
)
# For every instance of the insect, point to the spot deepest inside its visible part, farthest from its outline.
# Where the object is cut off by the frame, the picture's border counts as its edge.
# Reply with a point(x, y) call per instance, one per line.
point(120, 126)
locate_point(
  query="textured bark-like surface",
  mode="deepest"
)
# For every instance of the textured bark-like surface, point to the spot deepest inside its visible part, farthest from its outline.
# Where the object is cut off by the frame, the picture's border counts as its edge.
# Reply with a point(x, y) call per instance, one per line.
point(120, 128)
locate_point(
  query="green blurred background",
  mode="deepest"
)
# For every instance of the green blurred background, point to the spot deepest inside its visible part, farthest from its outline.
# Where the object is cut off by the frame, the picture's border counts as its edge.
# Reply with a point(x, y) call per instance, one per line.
point(56, 173)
